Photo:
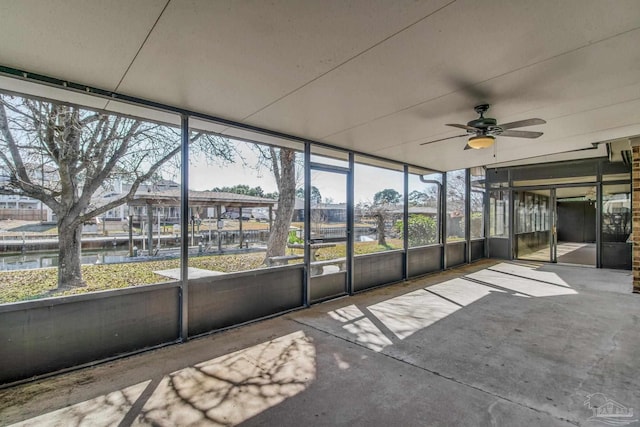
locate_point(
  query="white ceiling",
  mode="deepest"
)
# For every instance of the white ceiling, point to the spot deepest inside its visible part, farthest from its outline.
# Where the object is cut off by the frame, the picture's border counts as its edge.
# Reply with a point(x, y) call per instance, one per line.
point(376, 76)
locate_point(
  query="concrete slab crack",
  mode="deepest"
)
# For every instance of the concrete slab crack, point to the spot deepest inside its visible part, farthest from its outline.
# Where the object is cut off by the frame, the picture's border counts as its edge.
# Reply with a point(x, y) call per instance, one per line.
point(598, 361)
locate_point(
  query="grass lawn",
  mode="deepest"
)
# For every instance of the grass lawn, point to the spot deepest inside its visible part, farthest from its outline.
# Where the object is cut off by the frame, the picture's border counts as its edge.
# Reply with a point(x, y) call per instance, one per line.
point(360, 248)
point(21, 285)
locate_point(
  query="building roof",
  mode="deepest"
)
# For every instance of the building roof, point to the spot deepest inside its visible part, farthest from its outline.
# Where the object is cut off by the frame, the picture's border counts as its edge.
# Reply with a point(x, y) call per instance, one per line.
point(199, 198)
point(424, 210)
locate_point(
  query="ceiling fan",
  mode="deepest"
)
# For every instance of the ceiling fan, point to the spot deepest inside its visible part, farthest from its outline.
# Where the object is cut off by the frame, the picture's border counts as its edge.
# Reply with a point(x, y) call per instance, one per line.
point(483, 130)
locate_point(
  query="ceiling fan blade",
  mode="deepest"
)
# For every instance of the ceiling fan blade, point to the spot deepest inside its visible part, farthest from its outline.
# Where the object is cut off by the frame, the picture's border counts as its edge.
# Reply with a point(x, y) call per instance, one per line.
point(521, 134)
point(469, 128)
point(522, 123)
point(444, 139)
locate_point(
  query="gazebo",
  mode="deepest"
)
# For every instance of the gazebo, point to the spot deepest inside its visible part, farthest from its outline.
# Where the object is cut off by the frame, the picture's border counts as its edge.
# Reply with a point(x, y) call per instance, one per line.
point(200, 199)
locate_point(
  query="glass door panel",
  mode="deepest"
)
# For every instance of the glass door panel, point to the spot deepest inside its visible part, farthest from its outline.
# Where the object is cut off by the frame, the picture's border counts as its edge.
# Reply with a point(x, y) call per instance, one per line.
point(328, 231)
point(533, 226)
point(576, 224)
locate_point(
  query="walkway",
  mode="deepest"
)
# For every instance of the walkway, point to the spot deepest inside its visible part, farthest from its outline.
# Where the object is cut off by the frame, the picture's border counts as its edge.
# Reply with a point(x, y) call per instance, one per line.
point(494, 343)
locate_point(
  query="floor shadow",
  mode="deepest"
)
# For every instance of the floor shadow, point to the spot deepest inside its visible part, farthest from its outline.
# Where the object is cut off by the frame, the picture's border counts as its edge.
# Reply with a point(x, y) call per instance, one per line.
point(230, 389)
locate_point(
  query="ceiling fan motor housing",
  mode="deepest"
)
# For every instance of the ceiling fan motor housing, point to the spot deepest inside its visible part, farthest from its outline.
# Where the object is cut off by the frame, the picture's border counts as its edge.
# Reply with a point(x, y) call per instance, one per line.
point(483, 123)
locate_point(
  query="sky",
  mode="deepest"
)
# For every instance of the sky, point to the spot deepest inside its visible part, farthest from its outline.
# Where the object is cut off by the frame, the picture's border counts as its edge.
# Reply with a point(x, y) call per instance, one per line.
point(367, 180)
point(247, 170)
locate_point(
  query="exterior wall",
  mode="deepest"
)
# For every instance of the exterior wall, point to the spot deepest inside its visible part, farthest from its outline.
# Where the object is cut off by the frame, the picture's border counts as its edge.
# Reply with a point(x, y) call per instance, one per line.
point(327, 286)
point(456, 253)
point(377, 269)
point(43, 336)
point(635, 214)
point(477, 249)
point(499, 248)
point(47, 335)
point(222, 301)
point(424, 260)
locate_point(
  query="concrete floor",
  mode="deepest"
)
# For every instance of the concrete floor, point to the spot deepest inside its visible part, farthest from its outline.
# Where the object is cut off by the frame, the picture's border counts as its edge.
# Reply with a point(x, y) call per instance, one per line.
point(510, 344)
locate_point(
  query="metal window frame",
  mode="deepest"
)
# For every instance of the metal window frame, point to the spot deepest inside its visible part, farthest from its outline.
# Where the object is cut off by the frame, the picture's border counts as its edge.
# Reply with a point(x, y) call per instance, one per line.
point(184, 228)
point(348, 174)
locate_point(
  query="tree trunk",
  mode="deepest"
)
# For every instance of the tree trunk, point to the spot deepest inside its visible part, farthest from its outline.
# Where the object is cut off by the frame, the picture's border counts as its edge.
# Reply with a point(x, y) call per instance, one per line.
point(277, 244)
point(382, 241)
point(69, 272)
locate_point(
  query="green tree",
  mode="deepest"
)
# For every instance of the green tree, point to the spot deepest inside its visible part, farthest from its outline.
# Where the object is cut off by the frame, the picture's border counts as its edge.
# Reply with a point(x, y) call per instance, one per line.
point(245, 189)
point(387, 196)
point(316, 197)
point(422, 230)
point(417, 198)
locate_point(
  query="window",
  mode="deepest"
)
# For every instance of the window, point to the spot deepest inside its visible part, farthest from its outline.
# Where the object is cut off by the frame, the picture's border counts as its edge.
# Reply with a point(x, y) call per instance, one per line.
point(424, 209)
point(499, 214)
point(379, 207)
point(616, 213)
point(246, 203)
point(456, 196)
point(477, 202)
point(78, 168)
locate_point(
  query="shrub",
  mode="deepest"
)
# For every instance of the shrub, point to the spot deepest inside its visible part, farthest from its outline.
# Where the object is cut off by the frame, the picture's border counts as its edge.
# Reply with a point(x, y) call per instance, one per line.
point(422, 230)
point(293, 238)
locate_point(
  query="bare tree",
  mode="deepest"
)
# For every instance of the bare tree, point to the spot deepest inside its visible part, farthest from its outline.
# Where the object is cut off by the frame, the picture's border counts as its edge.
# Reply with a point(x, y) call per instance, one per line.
point(63, 155)
point(384, 202)
point(283, 166)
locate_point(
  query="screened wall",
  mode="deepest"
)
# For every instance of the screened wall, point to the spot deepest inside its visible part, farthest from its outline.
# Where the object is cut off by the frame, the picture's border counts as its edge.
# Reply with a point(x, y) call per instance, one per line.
point(576, 212)
point(132, 228)
point(425, 209)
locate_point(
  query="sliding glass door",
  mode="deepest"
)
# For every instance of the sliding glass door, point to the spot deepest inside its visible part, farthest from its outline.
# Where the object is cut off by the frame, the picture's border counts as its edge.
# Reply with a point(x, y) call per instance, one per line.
point(534, 231)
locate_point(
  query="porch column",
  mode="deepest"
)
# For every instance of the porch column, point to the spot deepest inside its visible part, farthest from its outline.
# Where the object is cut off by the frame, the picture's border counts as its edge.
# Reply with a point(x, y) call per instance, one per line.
point(218, 227)
point(150, 229)
point(635, 213)
point(240, 219)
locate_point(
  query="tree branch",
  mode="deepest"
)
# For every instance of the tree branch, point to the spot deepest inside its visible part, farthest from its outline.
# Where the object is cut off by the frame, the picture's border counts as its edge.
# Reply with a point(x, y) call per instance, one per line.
point(276, 168)
point(19, 169)
point(134, 187)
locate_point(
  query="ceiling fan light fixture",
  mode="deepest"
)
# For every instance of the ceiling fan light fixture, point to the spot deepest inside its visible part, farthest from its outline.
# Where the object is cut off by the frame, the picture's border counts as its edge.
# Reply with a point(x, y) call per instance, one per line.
point(483, 141)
